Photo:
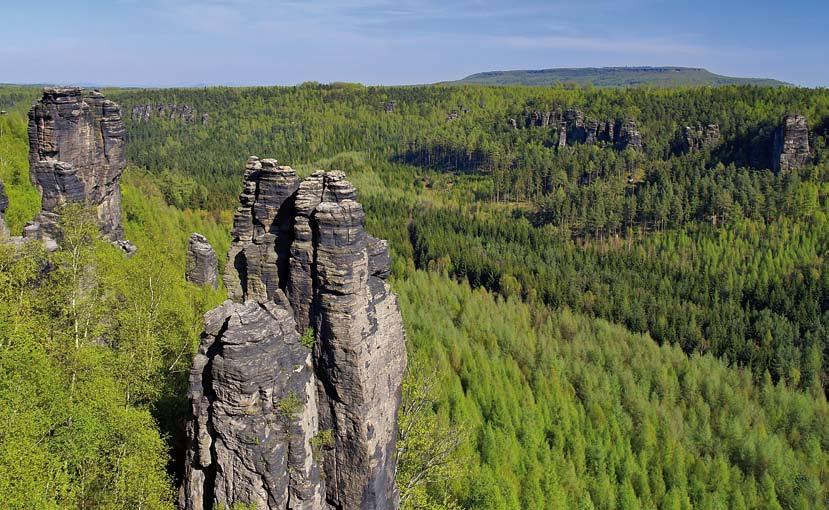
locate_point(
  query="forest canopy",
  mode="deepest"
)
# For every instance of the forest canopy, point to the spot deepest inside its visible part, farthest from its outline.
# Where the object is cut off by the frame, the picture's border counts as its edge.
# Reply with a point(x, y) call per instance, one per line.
point(609, 328)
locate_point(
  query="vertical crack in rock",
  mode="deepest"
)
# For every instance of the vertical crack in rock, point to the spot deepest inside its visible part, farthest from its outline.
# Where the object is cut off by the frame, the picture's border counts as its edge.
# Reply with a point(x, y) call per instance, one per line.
point(263, 229)
point(360, 353)
point(303, 255)
point(254, 401)
point(323, 416)
point(76, 154)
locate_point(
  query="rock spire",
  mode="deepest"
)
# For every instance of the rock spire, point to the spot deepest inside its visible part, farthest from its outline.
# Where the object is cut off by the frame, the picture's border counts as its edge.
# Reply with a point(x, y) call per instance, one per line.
point(201, 264)
point(791, 144)
point(76, 154)
point(295, 390)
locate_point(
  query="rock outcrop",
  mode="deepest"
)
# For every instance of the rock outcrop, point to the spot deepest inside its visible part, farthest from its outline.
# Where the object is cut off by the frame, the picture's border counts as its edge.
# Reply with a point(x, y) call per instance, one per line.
point(254, 402)
point(296, 386)
point(76, 154)
point(628, 136)
point(697, 137)
point(168, 111)
point(791, 144)
point(573, 127)
point(262, 232)
point(201, 266)
point(4, 204)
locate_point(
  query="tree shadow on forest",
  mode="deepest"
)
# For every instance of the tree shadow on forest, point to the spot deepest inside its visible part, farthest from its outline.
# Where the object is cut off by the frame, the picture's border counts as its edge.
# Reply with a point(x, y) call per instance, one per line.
point(753, 148)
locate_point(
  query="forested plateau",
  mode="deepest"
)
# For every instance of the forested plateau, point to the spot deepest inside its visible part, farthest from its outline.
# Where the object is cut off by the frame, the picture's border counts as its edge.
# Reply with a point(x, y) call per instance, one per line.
point(612, 298)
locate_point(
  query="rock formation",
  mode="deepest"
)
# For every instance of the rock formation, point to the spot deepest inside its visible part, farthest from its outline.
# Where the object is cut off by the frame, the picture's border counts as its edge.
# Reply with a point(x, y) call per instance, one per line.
point(284, 420)
point(4, 204)
point(573, 127)
point(254, 402)
point(697, 138)
point(201, 265)
point(169, 111)
point(791, 144)
point(76, 154)
point(628, 136)
point(576, 131)
point(562, 136)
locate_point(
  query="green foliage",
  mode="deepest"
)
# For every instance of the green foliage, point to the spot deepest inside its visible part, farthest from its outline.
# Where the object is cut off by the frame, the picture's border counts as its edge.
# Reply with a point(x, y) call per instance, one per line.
point(63, 408)
point(429, 459)
point(752, 294)
point(290, 405)
point(314, 122)
point(94, 354)
point(567, 412)
point(24, 200)
point(308, 338)
point(322, 440)
point(543, 375)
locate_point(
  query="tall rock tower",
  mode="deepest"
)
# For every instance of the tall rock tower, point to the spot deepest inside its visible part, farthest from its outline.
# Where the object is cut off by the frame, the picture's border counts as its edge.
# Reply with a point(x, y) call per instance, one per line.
point(76, 154)
point(791, 144)
point(296, 385)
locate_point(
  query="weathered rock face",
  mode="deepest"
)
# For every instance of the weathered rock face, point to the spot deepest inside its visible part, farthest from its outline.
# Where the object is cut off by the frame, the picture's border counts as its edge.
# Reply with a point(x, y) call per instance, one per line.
point(4, 204)
point(169, 111)
point(254, 402)
point(697, 137)
point(360, 352)
point(629, 136)
point(201, 265)
point(76, 153)
point(562, 136)
point(300, 262)
point(262, 232)
point(791, 144)
point(576, 131)
point(573, 127)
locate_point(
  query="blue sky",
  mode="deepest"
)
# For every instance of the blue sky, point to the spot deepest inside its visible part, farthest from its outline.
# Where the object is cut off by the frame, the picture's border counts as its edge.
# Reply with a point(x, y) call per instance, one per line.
point(253, 42)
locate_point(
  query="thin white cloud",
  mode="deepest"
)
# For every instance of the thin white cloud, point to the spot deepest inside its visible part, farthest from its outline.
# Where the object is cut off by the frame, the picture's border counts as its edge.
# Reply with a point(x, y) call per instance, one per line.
point(617, 44)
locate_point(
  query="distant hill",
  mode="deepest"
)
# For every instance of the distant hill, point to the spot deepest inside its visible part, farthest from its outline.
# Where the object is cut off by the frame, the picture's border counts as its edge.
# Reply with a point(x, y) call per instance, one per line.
point(615, 77)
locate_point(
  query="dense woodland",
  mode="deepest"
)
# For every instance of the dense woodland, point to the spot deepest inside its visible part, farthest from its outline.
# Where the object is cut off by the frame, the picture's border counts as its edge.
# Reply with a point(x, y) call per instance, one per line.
point(608, 329)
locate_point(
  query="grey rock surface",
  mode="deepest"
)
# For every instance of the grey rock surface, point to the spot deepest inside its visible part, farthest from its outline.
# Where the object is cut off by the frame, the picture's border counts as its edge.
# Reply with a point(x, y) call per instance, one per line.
point(168, 111)
point(300, 262)
point(201, 266)
point(697, 137)
point(791, 144)
point(262, 231)
point(76, 153)
point(4, 204)
point(628, 136)
point(254, 402)
point(574, 127)
point(360, 355)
